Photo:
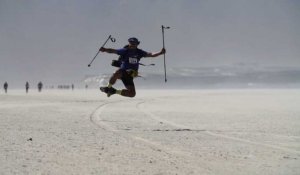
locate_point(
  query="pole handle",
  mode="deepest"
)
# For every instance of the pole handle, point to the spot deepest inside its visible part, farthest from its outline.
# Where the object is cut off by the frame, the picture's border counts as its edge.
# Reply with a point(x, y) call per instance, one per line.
point(109, 37)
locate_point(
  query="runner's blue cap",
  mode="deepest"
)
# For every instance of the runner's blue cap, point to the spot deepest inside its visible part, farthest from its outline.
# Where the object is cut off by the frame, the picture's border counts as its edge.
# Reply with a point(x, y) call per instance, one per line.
point(133, 40)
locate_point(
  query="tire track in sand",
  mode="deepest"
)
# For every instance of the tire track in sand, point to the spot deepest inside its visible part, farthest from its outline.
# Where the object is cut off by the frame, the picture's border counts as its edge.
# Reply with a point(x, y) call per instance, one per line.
point(96, 119)
point(180, 126)
point(97, 112)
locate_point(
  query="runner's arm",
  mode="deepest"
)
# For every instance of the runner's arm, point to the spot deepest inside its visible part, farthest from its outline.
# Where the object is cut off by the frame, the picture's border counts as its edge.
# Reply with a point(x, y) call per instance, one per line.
point(163, 50)
point(108, 50)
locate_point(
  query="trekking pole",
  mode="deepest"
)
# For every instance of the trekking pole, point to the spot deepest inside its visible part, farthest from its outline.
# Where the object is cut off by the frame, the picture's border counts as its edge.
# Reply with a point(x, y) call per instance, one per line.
point(109, 38)
point(163, 36)
point(146, 64)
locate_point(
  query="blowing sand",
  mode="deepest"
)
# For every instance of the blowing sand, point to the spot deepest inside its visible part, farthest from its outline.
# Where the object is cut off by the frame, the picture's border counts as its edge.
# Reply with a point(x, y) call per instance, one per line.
point(158, 132)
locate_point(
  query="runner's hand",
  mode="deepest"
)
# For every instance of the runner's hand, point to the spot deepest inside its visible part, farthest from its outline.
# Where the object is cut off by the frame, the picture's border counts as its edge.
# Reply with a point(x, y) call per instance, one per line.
point(102, 49)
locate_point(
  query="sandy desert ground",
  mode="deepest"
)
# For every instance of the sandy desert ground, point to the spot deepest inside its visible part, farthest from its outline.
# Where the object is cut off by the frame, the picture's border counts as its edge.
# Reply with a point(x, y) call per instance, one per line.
point(158, 132)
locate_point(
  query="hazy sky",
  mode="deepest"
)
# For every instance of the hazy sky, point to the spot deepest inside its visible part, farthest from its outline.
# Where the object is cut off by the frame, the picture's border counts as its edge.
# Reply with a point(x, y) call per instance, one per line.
point(54, 40)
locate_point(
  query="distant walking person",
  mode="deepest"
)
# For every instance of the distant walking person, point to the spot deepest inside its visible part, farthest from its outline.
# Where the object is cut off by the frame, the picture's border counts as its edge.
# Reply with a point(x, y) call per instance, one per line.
point(40, 86)
point(27, 86)
point(72, 87)
point(5, 86)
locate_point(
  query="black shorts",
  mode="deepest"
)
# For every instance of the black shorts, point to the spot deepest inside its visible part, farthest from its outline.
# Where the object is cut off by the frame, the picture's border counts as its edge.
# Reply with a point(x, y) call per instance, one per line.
point(126, 78)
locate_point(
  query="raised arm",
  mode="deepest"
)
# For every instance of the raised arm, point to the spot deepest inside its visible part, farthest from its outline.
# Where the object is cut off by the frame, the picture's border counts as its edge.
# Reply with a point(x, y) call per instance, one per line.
point(163, 50)
point(108, 50)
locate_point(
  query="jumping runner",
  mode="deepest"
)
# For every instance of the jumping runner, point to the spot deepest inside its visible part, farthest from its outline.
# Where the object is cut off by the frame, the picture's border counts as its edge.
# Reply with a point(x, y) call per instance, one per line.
point(128, 70)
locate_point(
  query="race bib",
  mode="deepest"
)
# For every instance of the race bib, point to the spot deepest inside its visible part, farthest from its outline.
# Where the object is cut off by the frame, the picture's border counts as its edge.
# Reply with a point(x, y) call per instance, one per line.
point(133, 60)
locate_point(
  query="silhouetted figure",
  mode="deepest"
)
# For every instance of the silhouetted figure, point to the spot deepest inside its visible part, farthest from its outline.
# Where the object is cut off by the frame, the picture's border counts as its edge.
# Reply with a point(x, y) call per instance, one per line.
point(86, 86)
point(129, 65)
point(5, 86)
point(72, 87)
point(27, 86)
point(40, 86)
